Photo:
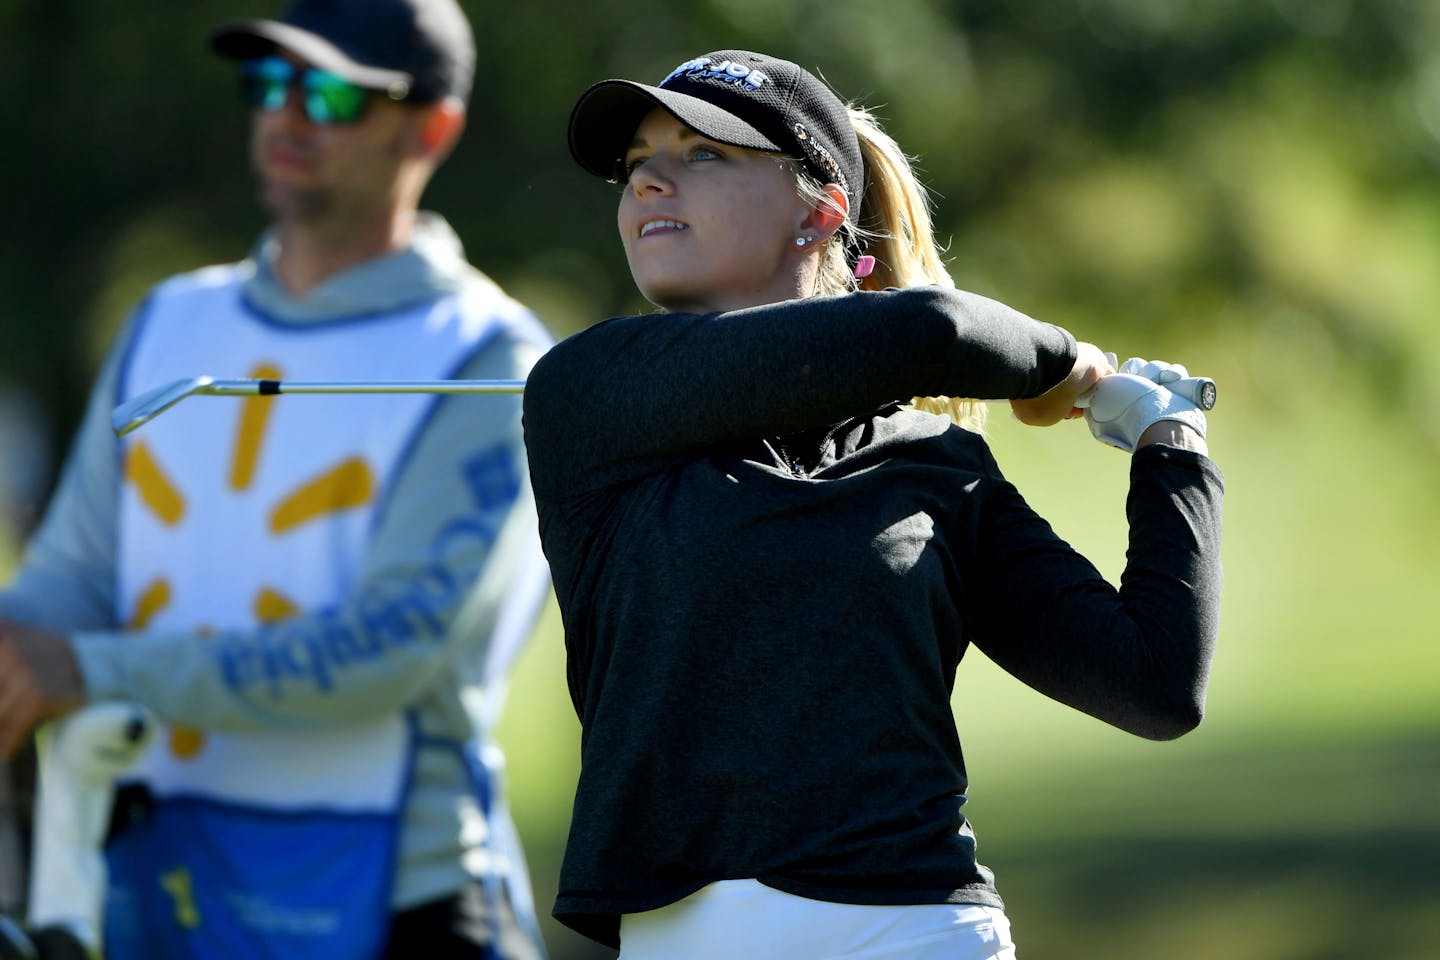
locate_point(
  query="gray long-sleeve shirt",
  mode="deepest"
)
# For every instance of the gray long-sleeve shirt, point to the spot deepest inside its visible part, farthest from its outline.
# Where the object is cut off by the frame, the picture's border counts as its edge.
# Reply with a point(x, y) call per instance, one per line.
point(466, 466)
point(769, 572)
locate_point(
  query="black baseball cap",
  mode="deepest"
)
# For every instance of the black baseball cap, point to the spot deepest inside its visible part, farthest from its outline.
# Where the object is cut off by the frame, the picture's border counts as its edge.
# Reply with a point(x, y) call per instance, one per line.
point(421, 50)
point(731, 96)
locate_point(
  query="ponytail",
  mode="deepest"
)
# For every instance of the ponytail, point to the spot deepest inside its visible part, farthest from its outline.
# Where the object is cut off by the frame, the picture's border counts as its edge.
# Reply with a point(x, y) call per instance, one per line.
point(894, 227)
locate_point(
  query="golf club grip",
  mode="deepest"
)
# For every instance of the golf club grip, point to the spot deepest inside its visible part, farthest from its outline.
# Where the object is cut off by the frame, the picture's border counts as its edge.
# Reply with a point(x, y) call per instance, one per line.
point(1198, 390)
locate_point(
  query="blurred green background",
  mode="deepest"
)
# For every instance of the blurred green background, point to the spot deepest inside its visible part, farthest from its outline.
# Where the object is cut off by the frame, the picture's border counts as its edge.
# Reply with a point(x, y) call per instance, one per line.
point(1251, 187)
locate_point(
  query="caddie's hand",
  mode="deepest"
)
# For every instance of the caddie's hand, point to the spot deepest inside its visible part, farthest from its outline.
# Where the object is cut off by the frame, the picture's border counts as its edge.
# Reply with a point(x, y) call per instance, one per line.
point(39, 680)
point(1123, 406)
point(1059, 402)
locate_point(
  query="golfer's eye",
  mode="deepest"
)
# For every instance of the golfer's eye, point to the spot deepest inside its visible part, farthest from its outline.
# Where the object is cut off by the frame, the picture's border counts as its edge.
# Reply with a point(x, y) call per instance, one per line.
point(631, 165)
point(702, 152)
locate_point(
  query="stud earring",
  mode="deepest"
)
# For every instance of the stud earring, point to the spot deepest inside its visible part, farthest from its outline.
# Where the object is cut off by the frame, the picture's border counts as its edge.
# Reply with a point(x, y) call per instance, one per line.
point(802, 241)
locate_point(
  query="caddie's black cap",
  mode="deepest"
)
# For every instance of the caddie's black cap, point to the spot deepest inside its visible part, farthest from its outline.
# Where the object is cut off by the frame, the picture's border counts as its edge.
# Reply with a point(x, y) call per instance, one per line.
point(731, 96)
point(420, 50)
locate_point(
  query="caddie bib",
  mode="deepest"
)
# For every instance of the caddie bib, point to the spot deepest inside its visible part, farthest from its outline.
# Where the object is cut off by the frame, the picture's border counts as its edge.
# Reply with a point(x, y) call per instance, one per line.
point(234, 513)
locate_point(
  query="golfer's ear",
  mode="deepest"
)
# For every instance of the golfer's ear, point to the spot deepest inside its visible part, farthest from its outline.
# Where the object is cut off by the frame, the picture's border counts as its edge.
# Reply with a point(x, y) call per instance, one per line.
point(442, 126)
point(827, 216)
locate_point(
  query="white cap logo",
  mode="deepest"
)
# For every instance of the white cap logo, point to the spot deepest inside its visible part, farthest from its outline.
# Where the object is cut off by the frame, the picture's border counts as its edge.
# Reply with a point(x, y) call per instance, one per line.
point(728, 72)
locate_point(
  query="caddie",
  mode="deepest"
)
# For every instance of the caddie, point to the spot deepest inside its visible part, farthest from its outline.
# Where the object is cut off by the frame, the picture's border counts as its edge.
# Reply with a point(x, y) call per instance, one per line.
point(318, 597)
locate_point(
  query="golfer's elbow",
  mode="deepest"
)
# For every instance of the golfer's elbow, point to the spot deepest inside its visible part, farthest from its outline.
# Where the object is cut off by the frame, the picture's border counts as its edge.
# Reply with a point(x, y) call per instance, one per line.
point(1172, 718)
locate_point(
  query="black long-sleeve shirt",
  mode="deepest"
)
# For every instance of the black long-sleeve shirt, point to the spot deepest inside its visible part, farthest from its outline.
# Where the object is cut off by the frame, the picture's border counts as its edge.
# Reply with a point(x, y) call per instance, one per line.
point(768, 573)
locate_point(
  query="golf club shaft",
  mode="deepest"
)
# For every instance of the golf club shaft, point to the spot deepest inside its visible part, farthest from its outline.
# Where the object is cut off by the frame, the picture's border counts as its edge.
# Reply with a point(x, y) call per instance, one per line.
point(267, 388)
point(144, 407)
point(141, 409)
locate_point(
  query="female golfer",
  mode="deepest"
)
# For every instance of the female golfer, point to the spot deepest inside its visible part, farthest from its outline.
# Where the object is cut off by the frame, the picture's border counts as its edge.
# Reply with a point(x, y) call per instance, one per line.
point(770, 563)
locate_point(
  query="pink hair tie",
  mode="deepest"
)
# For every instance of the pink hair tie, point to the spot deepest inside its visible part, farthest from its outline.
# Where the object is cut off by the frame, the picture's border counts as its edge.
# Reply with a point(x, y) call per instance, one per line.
point(864, 267)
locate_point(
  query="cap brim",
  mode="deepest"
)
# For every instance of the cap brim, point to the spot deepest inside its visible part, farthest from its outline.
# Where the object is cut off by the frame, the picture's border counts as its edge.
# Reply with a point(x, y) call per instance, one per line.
point(256, 38)
point(603, 123)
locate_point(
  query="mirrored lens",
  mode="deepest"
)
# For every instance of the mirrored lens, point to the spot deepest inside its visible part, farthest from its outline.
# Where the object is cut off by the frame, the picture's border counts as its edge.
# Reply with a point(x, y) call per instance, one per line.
point(327, 97)
point(264, 82)
point(332, 99)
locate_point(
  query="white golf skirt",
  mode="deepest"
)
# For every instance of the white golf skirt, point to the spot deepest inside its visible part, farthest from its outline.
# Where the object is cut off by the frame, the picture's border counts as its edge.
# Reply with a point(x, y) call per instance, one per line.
point(746, 920)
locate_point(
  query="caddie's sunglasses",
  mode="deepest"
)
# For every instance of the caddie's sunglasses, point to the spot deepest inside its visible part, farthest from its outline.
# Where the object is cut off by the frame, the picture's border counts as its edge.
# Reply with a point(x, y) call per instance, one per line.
point(327, 98)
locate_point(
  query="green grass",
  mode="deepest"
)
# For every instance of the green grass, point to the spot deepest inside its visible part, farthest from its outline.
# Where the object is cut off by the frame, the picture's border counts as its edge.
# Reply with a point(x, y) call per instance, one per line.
point(1279, 849)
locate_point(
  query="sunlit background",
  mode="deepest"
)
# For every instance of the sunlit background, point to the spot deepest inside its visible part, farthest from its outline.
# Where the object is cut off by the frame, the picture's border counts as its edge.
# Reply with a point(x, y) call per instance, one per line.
point(1251, 187)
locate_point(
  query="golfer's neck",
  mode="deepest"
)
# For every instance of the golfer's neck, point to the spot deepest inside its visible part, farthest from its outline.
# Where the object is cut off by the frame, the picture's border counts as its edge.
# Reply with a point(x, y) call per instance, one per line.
point(309, 253)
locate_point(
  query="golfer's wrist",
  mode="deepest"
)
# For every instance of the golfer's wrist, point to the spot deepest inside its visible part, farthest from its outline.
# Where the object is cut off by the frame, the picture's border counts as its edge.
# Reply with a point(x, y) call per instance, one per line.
point(1173, 433)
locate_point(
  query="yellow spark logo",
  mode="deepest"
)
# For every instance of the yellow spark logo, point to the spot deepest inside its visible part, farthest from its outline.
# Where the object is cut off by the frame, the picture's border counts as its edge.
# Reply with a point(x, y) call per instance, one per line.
point(344, 486)
point(181, 888)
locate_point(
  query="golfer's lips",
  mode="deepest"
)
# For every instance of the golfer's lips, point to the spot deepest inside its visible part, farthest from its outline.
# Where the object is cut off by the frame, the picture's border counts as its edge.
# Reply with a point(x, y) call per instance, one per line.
point(661, 225)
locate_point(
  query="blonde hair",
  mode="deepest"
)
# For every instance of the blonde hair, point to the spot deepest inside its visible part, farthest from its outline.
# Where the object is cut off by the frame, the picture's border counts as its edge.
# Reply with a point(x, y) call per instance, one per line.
point(893, 225)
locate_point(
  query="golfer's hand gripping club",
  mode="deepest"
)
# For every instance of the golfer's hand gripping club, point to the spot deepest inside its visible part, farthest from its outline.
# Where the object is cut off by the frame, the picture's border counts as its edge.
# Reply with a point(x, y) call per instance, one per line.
point(1123, 405)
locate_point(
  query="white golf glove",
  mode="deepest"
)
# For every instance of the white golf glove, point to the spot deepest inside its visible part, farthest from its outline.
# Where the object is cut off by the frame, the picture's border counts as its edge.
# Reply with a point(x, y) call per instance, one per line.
point(1123, 405)
point(1157, 370)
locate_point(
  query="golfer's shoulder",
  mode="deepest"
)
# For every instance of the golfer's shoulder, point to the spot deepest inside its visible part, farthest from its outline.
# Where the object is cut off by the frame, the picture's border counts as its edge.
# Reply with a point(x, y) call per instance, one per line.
point(581, 357)
point(575, 382)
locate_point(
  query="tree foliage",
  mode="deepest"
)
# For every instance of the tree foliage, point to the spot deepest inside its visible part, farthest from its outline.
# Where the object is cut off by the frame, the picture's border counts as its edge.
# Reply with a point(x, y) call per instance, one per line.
point(1143, 171)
